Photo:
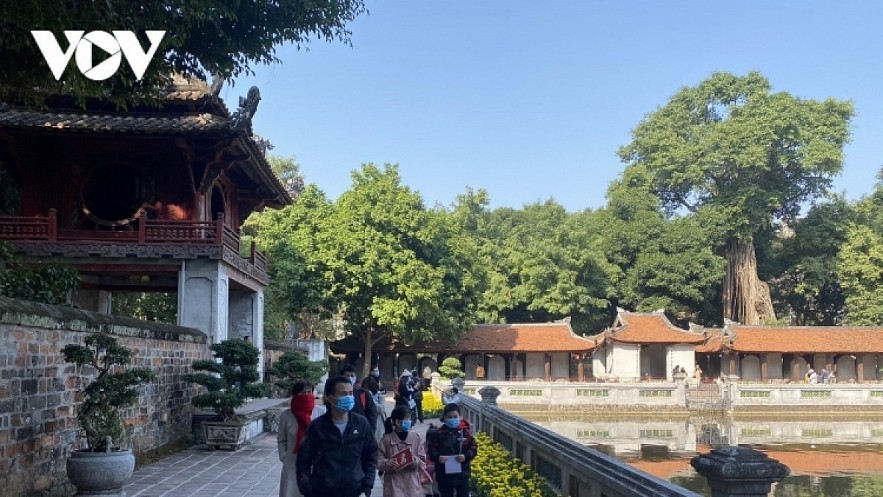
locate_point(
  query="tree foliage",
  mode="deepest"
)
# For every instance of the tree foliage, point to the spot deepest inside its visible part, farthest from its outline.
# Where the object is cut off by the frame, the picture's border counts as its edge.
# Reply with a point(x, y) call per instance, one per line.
point(48, 283)
point(203, 37)
point(397, 269)
point(451, 368)
point(299, 292)
point(161, 307)
point(292, 366)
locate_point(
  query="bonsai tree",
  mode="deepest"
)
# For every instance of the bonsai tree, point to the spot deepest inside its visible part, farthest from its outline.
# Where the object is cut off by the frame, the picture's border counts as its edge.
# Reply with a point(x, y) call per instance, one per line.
point(450, 369)
point(229, 379)
point(292, 366)
point(112, 388)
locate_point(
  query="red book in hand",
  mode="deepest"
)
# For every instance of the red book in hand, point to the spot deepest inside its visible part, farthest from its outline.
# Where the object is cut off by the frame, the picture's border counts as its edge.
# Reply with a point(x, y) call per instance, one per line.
point(402, 458)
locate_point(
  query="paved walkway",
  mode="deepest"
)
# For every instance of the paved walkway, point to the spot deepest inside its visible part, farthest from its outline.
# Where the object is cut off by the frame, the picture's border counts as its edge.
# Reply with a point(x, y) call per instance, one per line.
point(252, 471)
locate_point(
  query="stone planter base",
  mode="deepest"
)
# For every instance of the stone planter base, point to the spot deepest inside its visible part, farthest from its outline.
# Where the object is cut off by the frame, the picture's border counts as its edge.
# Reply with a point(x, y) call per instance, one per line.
point(100, 473)
point(222, 434)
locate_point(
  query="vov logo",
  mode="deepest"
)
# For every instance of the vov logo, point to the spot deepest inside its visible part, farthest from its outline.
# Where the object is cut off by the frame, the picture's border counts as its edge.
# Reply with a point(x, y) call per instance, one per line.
point(120, 44)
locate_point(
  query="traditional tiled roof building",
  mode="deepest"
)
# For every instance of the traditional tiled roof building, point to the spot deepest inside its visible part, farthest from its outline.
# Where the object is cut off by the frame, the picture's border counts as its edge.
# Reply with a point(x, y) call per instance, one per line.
point(783, 353)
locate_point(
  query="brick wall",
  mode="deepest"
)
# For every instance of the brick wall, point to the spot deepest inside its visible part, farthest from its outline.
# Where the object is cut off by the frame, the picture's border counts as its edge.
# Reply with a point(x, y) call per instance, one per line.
point(39, 392)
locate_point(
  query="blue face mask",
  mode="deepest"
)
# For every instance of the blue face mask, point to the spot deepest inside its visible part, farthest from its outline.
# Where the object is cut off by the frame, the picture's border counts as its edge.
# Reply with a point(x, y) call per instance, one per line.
point(452, 423)
point(346, 403)
point(406, 425)
point(375, 374)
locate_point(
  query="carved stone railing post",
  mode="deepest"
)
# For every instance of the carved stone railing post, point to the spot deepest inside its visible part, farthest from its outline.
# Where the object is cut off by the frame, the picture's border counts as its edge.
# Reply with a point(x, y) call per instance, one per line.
point(489, 396)
point(740, 471)
point(459, 383)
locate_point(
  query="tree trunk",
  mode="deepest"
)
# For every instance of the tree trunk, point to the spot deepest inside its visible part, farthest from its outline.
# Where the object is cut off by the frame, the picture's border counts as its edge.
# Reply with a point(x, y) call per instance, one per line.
point(746, 299)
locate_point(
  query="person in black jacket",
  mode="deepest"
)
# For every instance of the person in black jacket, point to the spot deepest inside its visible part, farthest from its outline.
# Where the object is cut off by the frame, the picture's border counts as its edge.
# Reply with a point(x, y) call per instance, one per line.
point(364, 404)
point(338, 456)
point(453, 440)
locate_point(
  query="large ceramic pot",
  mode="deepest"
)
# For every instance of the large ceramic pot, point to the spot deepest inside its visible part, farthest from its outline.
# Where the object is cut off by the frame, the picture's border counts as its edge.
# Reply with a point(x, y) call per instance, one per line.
point(100, 473)
point(224, 434)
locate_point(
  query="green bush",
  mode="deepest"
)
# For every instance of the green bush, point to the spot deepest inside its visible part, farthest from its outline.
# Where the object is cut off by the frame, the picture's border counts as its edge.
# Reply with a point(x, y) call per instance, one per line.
point(48, 283)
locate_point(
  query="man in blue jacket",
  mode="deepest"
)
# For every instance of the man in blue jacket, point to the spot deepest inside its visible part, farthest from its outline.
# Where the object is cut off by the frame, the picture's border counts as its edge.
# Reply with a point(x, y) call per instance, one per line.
point(338, 456)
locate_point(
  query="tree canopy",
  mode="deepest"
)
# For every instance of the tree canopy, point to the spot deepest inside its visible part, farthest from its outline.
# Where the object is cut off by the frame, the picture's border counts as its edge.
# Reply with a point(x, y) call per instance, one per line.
point(203, 37)
point(739, 156)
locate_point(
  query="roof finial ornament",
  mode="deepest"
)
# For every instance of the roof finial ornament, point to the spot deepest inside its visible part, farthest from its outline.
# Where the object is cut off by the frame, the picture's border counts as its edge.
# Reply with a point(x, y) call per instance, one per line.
point(217, 84)
point(248, 106)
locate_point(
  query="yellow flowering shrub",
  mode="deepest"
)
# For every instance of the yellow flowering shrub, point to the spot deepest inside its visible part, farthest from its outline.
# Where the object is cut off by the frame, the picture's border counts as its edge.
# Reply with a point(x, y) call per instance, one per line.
point(432, 405)
point(495, 473)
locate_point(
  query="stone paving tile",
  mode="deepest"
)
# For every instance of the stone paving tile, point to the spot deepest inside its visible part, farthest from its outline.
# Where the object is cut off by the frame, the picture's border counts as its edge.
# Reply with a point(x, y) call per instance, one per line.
point(252, 471)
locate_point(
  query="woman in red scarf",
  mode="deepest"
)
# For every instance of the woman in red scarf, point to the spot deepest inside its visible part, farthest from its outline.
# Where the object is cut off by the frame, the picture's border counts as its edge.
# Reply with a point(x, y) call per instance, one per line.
point(292, 430)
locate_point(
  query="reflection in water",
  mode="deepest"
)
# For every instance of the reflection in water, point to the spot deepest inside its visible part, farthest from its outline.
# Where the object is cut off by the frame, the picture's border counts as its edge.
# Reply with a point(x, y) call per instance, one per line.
point(828, 457)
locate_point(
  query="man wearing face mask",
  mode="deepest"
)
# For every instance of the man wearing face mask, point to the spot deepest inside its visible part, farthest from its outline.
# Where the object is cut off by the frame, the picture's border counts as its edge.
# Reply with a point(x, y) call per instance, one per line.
point(338, 456)
point(364, 403)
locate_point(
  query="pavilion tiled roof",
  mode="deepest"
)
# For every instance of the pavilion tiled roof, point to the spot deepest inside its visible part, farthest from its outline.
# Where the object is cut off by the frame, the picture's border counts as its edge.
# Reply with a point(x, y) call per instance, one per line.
point(116, 123)
point(807, 339)
point(635, 327)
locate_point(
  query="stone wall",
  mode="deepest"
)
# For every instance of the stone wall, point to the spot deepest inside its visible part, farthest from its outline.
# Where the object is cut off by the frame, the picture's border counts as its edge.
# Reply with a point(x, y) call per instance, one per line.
point(39, 392)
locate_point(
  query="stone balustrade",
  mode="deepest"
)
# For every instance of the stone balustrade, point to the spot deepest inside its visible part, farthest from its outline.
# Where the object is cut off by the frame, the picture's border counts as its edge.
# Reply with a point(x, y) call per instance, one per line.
point(579, 471)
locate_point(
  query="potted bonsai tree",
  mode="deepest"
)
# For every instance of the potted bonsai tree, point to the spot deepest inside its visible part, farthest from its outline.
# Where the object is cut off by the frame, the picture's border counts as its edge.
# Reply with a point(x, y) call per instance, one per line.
point(228, 380)
point(105, 465)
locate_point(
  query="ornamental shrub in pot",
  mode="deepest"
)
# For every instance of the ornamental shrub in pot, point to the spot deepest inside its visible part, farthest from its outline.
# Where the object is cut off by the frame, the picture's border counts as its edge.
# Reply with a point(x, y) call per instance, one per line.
point(229, 379)
point(105, 464)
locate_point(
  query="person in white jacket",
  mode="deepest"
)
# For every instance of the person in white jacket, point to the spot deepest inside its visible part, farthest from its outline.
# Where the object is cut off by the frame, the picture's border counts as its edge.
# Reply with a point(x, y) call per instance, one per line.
point(292, 429)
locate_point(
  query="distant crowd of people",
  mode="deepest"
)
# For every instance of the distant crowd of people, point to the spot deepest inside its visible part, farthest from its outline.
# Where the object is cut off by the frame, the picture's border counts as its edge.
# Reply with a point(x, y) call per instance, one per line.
point(338, 448)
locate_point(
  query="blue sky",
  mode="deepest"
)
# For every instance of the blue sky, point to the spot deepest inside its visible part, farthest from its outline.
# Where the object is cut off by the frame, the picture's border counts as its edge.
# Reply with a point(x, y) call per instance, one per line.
point(531, 100)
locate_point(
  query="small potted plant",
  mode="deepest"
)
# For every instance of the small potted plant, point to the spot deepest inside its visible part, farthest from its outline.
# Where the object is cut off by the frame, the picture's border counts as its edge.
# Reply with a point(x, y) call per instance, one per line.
point(229, 379)
point(105, 465)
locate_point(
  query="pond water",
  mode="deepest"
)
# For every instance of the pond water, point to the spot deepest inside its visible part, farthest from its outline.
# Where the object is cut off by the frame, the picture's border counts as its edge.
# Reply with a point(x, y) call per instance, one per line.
point(829, 456)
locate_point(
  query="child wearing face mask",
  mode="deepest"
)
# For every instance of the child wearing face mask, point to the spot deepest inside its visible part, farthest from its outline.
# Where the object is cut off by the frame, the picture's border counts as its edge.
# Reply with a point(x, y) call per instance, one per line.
point(453, 440)
point(400, 455)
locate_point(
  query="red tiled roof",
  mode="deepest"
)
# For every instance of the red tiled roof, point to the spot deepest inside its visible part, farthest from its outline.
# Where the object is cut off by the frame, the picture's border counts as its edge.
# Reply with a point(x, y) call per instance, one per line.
point(528, 337)
point(808, 339)
point(633, 327)
point(714, 342)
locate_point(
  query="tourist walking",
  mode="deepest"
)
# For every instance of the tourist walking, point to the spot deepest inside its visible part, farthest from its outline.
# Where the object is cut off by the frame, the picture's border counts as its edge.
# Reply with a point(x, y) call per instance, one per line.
point(427, 376)
point(364, 404)
point(418, 398)
point(293, 425)
point(400, 456)
point(338, 456)
point(405, 391)
point(451, 448)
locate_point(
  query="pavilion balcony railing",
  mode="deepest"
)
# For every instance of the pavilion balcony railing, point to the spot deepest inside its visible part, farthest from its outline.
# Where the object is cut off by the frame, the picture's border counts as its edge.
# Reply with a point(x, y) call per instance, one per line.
point(44, 229)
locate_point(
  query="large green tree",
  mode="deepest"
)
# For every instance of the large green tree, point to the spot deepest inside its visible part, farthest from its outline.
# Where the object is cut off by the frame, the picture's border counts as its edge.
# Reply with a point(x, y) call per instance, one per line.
point(802, 261)
point(860, 261)
point(299, 288)
point(544, 263)
point(742, 156)
point(203, 37)
point(661, 262)
point(397, 269)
